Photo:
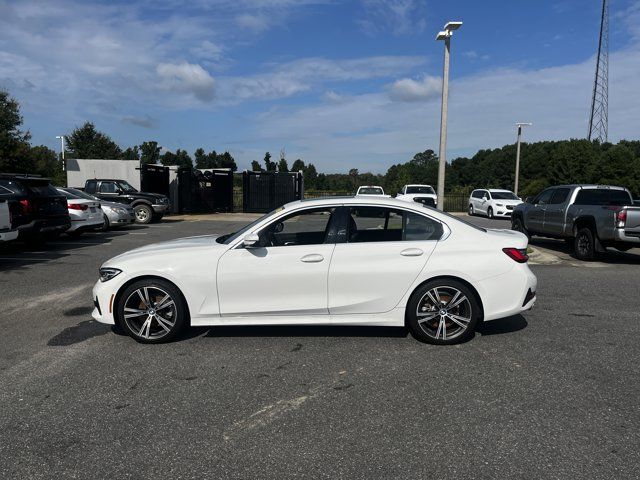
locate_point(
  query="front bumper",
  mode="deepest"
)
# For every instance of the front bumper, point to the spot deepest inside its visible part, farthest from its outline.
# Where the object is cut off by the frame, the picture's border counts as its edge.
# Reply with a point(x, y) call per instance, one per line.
point(160, 208)
point(103, 295)
point(121, 219)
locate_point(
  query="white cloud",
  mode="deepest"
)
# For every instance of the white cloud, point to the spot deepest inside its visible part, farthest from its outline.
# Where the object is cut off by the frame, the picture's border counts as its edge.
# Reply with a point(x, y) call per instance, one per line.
point(409, 90)
point(186, 77)
point(401, 17)
point(256, 23)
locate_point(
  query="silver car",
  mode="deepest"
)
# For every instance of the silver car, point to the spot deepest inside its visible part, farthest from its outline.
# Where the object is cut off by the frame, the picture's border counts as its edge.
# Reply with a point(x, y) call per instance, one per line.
point(115, 214)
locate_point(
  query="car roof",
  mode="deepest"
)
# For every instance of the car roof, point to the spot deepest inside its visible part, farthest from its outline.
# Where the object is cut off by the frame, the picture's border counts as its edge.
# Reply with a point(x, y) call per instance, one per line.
point(417, 185)
point(497, 190)
point(369, 186)
point(351, 200)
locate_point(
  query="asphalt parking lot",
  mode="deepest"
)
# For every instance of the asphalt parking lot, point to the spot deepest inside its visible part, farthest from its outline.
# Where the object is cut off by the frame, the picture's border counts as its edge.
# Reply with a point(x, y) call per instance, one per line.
point(550, 394)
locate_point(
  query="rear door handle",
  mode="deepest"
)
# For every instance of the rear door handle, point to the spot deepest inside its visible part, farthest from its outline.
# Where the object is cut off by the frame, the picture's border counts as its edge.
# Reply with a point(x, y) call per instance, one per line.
point(411, 252)
point(312, 258)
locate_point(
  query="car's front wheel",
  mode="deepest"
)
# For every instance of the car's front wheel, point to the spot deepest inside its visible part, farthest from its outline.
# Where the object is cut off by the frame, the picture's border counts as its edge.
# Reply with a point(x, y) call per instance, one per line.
point(518, 226)
point(490, 212)
point(152, 311)
point(143, 213)
point(443, 312)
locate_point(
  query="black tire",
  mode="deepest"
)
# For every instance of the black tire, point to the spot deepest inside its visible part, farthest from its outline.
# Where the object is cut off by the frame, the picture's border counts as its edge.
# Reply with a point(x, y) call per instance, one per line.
point(427, 323)
point(144, 213)
point(518, 226)
point(471, 211)
point(490, 212)
point(175, 311)
point(584, 245)
point(105, 226)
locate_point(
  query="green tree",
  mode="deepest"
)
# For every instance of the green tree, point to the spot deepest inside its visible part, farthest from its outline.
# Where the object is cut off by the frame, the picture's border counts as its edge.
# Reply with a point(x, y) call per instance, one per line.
point(297, 166)
point(131, 153)
point(87, 142)
point(45, 161)
point(310, 176)
point(255, 166)
point(282, 165)
point(226, 160)
point(150, 152)
point(201, 158)
point(14, 143)
point(269, 166)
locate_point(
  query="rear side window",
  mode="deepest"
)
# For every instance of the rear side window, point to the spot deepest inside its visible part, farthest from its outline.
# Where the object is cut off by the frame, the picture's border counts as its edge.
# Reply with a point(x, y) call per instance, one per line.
point(11, 187)
point(559, 196)
point(602, 196)
point(380, 224)
point(91, 186)
point(107, 187)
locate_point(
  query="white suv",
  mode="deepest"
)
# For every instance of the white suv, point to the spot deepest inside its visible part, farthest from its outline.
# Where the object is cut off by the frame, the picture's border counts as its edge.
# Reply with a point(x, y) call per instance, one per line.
point(493, 202)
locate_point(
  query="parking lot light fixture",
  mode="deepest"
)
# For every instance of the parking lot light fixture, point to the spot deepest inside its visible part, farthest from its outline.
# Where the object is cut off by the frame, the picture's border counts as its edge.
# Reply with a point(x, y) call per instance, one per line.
point(519, 125)
point(444, 35)
point(61, 137)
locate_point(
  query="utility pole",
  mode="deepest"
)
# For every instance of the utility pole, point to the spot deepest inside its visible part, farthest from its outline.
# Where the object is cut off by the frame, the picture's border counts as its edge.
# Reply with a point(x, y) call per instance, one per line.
point(61, 137)
point(442, 153)
point(519, 125)
point(599, 118)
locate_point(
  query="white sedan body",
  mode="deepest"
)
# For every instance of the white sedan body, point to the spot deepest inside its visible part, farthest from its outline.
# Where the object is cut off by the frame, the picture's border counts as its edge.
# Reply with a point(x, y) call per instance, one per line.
point(85, 215)
point(335, 261)
point(500, 203)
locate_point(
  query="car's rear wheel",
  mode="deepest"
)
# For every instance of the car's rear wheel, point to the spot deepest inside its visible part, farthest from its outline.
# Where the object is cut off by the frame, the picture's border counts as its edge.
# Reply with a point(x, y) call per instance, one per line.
point(105, 226)
point(443, 312)
point(471, 212)
point(143, 213)
point(490, 212)
point(584, 244)
point(152, 311)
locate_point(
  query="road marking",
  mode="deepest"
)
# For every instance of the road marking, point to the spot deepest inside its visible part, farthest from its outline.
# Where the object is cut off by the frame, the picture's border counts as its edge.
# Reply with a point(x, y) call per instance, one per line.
point(21, 259)
point(137, 233)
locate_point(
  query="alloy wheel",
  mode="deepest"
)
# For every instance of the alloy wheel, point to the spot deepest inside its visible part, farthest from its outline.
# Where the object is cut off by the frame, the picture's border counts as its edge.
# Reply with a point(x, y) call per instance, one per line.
point(150, 312)
point(444, 313)
point(142, 215)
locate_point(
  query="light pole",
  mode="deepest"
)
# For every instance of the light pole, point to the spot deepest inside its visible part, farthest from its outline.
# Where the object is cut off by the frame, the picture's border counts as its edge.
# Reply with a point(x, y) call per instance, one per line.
point(61, 137)
point(442, 154)
point(519, 125)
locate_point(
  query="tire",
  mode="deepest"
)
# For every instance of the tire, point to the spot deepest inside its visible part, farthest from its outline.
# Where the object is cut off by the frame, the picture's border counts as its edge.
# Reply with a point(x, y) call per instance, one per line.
point(490, 212)
point(104, 227)
point(433, 323)
point(518, 226)
point(471, 212)
point(152, 311)
point(584, 245)
point(144, 213)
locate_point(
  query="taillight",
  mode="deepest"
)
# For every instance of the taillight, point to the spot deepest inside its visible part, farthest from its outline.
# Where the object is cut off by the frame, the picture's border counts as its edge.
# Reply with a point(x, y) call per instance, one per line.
point(26, 206)
point(517, 254)
point(77, 206)
point(621, 218)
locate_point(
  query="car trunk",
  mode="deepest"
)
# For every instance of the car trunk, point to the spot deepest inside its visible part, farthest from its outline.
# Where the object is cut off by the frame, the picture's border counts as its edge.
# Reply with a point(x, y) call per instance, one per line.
point(44, 203)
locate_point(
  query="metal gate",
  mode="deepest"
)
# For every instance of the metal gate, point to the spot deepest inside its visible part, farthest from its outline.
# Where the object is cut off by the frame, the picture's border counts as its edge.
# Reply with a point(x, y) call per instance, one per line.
point(154, 179)
point(205, 191)
point(264, 191)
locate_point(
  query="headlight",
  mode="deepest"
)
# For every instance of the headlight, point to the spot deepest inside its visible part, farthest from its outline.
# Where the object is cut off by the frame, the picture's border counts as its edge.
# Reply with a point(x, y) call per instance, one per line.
point(121, 211)
point(107, 273)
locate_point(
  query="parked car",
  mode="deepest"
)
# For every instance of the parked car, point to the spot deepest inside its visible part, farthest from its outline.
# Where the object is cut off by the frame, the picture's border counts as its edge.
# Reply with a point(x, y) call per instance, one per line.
point(324, 262)
point(7, 233)
point(86, 215)
point(371, 190)
point(147, 206)
point(38, 210)
point(493, 202)
point(589, 218)
point(424, 194)
point(114, 214)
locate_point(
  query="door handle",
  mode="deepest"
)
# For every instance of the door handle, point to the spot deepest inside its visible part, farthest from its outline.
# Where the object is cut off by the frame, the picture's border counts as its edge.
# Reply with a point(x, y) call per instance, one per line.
point(411, 252)
point(312, 258)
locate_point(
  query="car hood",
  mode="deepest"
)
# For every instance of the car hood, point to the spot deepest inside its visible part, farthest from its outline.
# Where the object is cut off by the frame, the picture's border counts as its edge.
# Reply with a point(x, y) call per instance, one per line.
point(508, 202)
point(202, 242)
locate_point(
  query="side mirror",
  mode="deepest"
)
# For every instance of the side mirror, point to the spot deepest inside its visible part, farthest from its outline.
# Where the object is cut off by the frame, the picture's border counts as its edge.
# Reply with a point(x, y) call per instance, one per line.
point(278, 227)
point(528, 200)
point(251, 240)
point(484, 199)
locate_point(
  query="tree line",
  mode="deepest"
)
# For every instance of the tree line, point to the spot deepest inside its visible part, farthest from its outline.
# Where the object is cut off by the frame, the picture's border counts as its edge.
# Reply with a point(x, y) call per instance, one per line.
point(542, 163)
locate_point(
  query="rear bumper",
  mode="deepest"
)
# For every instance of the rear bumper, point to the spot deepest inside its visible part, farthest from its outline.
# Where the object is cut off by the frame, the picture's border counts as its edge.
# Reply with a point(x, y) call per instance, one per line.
point(509, 294)
point(8, 236)
point(86, 225)
point(48, 225)
point(626, 236)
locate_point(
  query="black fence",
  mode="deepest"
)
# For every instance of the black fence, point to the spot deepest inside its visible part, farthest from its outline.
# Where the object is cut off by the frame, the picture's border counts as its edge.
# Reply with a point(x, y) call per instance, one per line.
point(154, 179)
point(205, 191)
point(264, 191)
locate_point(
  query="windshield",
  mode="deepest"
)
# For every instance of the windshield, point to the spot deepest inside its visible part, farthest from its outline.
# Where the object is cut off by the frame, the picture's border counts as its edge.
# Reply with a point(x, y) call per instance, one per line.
point(504, 196)
point(81, 194)
point(125, 187)
point(370, 191)
point(231, 237)
point(423, 189)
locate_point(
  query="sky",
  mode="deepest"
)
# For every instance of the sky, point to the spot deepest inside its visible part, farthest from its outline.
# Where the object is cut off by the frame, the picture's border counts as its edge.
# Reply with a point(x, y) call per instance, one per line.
point(341, 84)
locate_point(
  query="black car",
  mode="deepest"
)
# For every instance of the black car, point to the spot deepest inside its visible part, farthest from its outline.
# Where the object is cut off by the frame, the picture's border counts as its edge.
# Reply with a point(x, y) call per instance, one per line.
point(38, 210)
point(147, 206)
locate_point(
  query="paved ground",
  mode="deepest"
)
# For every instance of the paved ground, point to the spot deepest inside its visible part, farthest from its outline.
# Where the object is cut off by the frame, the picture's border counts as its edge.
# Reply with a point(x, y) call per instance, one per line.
point(552, 394)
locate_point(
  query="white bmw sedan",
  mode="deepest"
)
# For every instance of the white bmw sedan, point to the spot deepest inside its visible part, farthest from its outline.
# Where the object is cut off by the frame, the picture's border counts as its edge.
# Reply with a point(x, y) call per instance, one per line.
point(331, 261)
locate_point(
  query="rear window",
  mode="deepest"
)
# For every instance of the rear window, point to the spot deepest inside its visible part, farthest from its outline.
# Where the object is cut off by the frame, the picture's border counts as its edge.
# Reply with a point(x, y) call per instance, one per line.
point(602, 196)
point(11, 187)
point(43, 189)
point(370, 191)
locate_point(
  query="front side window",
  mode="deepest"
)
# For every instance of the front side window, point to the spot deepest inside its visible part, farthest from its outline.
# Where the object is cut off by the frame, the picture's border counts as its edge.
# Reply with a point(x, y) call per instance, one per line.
point(477, 194)
point(126, 186)
point(545, 197)
point(309, 227)
point(107, 187)
point(380, 224)
point(559, 196)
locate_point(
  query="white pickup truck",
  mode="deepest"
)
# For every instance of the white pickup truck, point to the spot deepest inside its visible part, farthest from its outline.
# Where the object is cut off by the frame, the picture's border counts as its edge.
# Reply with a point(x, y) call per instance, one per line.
point(424, 194)
point(6, 234)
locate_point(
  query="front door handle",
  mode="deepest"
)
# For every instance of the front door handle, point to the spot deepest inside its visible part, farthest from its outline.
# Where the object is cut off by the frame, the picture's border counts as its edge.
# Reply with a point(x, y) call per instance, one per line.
point(312, 258)
point(411, 252)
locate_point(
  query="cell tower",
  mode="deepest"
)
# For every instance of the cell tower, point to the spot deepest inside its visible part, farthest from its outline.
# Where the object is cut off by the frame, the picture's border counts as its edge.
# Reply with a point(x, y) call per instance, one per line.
point(599, 120)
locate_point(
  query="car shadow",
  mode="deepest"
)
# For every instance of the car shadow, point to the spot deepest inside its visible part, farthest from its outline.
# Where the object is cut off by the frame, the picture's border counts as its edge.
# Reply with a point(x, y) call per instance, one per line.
point(502, 326)
point(611, 256)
